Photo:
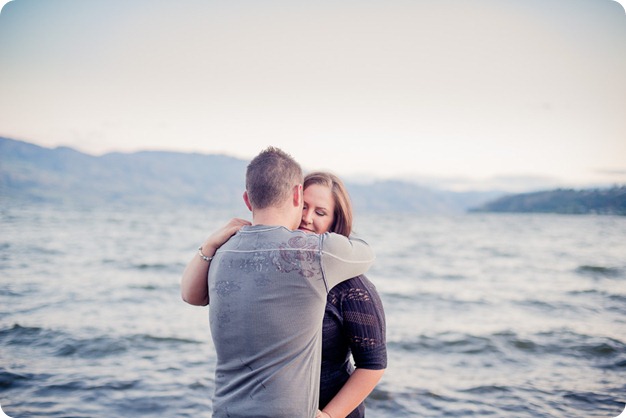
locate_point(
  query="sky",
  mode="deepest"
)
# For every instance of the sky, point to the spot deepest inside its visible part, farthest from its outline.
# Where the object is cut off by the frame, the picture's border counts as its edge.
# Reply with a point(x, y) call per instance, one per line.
point(462, 94)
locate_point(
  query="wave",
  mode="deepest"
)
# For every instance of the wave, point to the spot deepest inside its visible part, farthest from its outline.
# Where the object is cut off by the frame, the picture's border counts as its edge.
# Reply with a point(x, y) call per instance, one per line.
point(401, 403)
point(18, 334)
point(548, 307)
point(9, 379)
point(174, 267)
point(599, 271)
point(481, 390)
point(150, 266)
point(6, 291)
point(598, 403)
point(420, 297)
point(85, 385)
point(615, 302)
point(606, 352)
point(161, 340)
point(65, 344)
point(447, 342)
point(572, 344)
point(617, 298)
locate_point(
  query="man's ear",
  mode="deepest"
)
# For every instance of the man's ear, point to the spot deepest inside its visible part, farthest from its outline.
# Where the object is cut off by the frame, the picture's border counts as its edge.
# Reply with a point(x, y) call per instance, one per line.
point(247, 200)
point(297, 195)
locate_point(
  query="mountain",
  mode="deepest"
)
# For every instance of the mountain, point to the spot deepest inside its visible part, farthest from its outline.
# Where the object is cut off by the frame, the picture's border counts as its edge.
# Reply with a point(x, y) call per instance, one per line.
point(610, 201)
point(33, 174)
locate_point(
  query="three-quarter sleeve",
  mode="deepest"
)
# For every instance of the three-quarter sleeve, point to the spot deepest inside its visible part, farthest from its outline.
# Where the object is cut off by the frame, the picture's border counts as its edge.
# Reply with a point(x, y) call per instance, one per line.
point(364, 324)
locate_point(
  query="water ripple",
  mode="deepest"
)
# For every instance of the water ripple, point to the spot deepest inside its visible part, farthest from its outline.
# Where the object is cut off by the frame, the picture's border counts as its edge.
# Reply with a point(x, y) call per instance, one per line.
point(599, 271)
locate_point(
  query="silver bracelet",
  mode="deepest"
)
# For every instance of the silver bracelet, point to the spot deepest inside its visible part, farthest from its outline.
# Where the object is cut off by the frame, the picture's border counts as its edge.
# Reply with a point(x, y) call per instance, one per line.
point(202, 256)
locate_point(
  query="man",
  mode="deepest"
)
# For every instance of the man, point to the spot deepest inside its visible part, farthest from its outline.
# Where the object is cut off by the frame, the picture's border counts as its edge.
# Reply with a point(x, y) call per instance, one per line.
point(268, 287)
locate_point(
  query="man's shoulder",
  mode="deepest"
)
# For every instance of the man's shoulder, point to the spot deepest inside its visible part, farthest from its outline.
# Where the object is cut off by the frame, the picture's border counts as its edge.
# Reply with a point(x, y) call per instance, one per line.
point(333, 242)
point(277, 237)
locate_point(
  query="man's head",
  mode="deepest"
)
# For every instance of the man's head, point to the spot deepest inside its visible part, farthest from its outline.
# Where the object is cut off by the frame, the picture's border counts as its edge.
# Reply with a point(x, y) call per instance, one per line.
point(272, 178)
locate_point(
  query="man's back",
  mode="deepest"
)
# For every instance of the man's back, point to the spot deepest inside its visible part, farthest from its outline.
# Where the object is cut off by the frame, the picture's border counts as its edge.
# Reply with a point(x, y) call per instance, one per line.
point(268, 289)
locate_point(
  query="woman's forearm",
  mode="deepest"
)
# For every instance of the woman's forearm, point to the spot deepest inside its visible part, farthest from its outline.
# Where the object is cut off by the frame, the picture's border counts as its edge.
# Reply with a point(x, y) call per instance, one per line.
point(354, 391)
point(194, 287)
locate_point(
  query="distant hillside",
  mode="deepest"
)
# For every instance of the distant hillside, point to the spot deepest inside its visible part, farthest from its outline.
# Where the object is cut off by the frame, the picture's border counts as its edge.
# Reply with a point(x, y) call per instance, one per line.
point(34, 174)
point(62, 175)
point(610, 201)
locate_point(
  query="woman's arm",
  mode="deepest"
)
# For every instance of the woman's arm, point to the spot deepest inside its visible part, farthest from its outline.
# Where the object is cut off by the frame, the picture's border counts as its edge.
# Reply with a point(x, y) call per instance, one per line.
point(364, 330)
point(354, 391)
point(193, 285)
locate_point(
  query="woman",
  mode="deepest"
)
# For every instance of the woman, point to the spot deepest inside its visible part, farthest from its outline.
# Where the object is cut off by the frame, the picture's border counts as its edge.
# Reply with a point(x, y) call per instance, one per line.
point(354, 321)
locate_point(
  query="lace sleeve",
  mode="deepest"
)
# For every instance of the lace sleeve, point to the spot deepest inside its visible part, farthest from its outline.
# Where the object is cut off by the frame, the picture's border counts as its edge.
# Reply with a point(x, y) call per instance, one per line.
point(364, 324)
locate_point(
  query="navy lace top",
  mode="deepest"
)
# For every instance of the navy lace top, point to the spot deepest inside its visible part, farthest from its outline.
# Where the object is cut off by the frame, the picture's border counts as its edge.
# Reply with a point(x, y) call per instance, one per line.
point(354, 323)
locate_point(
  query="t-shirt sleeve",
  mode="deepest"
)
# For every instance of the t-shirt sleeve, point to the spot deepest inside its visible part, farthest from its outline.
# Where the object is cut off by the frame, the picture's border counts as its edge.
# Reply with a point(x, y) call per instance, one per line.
point(343, 258)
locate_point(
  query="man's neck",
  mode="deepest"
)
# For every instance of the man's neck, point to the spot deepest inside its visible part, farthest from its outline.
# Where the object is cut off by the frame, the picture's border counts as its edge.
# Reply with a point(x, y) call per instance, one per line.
point(273, 216)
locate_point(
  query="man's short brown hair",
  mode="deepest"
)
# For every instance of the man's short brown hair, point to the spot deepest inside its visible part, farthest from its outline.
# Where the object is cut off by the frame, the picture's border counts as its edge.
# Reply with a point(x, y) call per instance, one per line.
point(270, 178)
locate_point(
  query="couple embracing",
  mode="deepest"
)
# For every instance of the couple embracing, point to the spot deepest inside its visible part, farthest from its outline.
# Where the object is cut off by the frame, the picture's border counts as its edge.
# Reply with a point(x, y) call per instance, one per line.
point(288, 302)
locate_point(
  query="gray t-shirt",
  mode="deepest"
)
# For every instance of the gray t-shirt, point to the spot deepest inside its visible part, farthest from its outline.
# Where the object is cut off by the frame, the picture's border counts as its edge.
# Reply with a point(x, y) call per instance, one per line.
point(268, 288)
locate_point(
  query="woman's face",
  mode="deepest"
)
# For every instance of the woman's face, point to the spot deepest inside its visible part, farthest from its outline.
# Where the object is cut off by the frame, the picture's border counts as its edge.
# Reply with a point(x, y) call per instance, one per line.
point(318, 211)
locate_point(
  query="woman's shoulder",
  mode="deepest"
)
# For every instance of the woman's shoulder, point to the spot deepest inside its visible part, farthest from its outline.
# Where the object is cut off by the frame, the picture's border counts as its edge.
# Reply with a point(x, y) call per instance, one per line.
point(355, 284)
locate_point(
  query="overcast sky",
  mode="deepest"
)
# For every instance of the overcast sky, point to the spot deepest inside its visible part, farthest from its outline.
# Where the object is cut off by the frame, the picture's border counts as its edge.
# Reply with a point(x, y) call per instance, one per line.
point(463, 91)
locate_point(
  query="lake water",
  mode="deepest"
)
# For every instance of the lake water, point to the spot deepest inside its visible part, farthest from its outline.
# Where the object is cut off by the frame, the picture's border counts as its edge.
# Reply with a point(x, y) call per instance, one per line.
point(487, 314)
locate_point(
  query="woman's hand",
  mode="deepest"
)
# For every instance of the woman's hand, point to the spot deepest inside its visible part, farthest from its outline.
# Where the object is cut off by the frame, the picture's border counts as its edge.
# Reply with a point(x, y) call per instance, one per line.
point(219, 237)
